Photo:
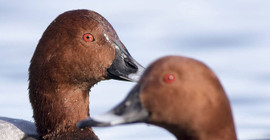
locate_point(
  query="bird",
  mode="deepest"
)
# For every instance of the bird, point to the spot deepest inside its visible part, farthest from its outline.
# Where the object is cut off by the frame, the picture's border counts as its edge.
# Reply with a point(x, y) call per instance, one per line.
point(77, 50)
point(179, 94)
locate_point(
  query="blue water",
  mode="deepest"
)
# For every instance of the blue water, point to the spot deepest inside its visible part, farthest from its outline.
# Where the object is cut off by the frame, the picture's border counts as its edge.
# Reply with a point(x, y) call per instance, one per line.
point(232, 37)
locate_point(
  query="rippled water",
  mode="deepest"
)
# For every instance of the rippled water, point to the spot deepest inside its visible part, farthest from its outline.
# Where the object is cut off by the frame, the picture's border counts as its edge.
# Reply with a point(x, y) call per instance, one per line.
point(232, 37)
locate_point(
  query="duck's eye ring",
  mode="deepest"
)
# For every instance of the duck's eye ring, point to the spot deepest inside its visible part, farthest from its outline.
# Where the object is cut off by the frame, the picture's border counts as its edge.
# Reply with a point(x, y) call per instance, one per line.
point(88, 37)
point(169, 78)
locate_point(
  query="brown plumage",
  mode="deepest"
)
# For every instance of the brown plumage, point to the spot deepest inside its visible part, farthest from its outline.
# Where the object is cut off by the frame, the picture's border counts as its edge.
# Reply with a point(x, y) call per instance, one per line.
point(193, 106)
point(179, 94)
point(63, 69)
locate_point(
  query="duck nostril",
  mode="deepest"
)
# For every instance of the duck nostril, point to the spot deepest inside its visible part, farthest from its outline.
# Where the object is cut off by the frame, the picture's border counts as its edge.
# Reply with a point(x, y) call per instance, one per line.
point(130, 64)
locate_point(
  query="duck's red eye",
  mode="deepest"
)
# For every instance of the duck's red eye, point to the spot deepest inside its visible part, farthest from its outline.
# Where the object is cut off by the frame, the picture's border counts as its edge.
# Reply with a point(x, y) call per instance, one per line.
point(169, 78)
point(88, 37)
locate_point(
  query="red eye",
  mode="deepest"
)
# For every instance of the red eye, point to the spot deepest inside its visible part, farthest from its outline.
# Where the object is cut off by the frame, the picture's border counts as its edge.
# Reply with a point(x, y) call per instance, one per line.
point(169, 78)
point(88, 37)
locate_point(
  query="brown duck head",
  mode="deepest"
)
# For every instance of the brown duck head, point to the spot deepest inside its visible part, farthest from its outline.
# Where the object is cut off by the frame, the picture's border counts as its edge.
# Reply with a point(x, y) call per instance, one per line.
point(77, 50)
point(179, 94)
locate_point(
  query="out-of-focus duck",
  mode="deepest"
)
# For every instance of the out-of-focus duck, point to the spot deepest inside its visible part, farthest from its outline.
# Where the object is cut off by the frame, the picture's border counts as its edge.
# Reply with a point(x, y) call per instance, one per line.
point(179, 94)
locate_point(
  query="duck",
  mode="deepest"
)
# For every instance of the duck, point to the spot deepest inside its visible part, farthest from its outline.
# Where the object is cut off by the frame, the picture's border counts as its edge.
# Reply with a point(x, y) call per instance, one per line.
point(77, 50)
point(179, 94)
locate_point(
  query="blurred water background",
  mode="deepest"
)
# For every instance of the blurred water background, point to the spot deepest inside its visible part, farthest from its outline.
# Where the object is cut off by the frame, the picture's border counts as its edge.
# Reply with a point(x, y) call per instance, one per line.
point(232, 37)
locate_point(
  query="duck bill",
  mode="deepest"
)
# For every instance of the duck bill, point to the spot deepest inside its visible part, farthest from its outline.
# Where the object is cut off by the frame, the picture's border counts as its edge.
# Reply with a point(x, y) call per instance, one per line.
point(128, 111)
point(124, 67)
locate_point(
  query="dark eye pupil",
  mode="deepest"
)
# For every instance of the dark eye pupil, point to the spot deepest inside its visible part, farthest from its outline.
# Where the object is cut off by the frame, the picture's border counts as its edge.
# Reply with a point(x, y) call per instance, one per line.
point(87, 37)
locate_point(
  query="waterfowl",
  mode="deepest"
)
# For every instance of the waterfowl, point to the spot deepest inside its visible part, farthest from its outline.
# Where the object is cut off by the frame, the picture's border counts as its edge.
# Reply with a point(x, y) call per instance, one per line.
point(179, 94)
point(76, 51)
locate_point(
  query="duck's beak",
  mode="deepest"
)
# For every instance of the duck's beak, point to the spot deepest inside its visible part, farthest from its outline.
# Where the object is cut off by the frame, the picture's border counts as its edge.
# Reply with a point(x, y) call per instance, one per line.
point(128, 111)
point(124, 67)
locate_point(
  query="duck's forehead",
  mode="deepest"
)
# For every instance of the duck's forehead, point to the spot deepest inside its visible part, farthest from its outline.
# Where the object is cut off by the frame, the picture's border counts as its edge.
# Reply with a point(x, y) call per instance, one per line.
point(101, 22)
point(162, 66)
point(166, 67)
point(82, 18)
point(176, 64)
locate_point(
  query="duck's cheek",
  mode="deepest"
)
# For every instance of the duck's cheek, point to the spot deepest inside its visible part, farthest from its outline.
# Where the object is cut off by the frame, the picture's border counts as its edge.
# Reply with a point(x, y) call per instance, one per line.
point(102, 56)
point(146, 101)
point(153, 102)
point(108, 55)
